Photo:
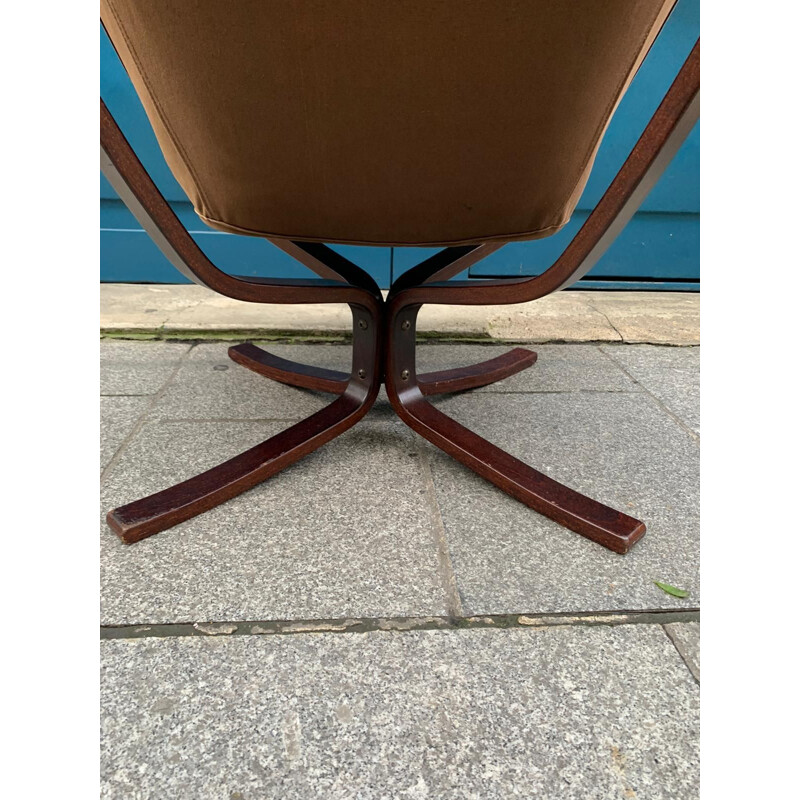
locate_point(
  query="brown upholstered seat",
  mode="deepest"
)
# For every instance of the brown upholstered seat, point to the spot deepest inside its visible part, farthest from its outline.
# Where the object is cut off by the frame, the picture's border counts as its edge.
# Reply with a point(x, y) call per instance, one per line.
point(362, 121)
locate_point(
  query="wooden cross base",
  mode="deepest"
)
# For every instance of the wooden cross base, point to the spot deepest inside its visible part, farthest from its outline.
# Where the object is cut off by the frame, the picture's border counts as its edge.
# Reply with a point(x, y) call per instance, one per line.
point(383, 351)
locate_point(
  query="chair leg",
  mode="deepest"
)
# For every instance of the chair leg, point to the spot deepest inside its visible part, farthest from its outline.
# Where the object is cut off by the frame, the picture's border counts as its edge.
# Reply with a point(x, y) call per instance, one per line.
point(600, 523)
point(290, 372)
point(321, 379)
point(482, 374)
point(185, 500)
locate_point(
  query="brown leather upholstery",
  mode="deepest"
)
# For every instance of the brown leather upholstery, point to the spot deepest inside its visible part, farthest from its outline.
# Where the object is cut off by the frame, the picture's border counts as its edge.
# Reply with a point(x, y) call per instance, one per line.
point(407, 122)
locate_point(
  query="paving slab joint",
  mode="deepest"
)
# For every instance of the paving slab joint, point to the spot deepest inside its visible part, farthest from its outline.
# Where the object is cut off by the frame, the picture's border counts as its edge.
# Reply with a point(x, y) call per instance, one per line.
point(155, 397)
point(691, 663)
point(397, 624)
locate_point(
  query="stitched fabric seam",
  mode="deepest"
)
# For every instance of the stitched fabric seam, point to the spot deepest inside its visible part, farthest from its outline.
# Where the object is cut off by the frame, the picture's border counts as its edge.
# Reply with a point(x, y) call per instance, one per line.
point(300, 237)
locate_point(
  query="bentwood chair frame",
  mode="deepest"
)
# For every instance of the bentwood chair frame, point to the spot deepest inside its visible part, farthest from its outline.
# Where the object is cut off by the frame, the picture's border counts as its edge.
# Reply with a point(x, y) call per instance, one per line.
point(384, 335)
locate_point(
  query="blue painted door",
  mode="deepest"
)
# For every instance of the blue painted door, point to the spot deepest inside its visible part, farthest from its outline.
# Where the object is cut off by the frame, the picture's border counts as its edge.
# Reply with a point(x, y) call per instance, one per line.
point(659, 249)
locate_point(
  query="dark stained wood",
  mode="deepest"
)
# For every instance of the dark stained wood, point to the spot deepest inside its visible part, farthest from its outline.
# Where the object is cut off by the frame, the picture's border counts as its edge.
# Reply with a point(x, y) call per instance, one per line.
point(162, 510)
point(601, 524)
point(444, 264)
point(135, 187)
point(491, 371)
point(143, 518)
point(669, 126)
point(291, 372)
point(384, 343)
point(185, 500)
point(325, 261)
point(321, 379)
point(665, 133)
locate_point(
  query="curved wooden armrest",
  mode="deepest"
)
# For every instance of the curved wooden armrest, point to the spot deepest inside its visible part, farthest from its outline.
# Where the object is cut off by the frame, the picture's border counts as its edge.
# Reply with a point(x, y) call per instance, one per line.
point(662, 138)
point(137, 190)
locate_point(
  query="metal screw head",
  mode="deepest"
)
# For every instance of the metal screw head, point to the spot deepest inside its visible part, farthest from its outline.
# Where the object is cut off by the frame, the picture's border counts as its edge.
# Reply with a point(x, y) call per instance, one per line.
point(362, 373)
point(362, 323)
point(405, 325)
point(404, 375)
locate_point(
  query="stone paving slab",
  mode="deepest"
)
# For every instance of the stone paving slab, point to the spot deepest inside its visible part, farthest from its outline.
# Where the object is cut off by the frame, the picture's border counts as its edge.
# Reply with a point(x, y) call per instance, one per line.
point(620, 449)
point(577, 368)
point(209, 385)
point(672, 375)
point(118, 415)
point(213, 312)
point(147, 306)
point(686, 637)
point(560, 317)
point(346, 531)
point(573, 316)
point(575, 415)
point(655, 317)
point(565, 712)
point(137, 368)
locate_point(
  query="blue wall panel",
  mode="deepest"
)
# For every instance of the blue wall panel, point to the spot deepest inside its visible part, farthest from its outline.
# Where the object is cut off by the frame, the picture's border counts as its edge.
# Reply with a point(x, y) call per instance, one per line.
point(658, 249)
point(128, 255)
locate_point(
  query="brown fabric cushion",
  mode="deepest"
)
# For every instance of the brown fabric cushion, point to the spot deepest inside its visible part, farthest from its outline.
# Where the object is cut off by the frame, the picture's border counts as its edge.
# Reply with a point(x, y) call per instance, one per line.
point(408, 122)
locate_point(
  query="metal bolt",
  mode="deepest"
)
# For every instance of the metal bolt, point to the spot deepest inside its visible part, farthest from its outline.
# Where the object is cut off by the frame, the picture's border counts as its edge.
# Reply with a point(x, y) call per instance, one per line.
point(362, 323)
point(406, 325)
point(362, 373)
point(404, 375)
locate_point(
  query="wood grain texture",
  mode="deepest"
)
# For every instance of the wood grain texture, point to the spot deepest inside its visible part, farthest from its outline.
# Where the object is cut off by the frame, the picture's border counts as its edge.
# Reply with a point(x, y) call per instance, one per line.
point(600, 523)
point(166, 508)
point(482, 374)
point(290, 372)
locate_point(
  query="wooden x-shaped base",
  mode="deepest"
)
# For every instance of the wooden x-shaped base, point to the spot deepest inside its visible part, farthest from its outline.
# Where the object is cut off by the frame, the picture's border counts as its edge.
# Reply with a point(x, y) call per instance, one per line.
point(383, 351)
